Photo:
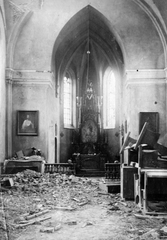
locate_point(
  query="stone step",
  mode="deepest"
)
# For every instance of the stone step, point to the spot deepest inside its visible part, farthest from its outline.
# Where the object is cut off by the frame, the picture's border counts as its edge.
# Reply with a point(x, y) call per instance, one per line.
point(90, 173)
point(110, 187)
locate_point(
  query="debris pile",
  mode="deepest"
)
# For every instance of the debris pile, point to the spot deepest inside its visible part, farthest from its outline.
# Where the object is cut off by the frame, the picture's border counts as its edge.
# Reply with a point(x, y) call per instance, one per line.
point(31, 198)
point(32, 181)
point(59, 191)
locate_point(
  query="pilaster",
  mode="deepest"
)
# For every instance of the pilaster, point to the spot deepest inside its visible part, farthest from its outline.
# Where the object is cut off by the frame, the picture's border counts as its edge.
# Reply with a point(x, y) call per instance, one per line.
point(9, 82)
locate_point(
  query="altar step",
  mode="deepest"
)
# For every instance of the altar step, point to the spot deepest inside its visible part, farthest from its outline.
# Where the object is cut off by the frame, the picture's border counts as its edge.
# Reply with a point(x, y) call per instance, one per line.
point(90, 173)
point(110, 186)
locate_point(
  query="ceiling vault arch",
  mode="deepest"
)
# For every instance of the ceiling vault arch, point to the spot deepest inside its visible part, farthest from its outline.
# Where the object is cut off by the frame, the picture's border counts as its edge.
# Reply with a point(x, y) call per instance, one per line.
point(157, 21)
point(71, 46)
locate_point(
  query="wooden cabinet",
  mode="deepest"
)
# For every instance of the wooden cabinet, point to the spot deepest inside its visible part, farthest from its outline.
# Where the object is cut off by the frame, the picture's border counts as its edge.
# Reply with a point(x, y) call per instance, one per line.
point(127, 182)
point(130, 155)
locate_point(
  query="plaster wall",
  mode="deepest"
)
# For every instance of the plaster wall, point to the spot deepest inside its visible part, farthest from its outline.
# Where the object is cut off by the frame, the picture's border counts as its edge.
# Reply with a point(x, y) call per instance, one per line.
point(128, 21)
point(51, 121)
point(147, 97)
point(142, 49)
point(2, 86)
point(33, 97)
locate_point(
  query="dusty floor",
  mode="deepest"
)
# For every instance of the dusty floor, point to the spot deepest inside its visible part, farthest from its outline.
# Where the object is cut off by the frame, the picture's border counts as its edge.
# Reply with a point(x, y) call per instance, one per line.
point(71, 208)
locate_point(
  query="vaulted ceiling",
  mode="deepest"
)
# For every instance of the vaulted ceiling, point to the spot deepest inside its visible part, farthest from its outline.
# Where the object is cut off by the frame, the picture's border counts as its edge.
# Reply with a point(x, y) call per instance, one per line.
point(87, 43)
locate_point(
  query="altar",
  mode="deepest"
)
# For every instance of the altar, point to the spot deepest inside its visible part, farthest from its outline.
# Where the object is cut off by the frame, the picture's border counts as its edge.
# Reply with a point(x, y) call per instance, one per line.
point(90, 161)
point(88, 144)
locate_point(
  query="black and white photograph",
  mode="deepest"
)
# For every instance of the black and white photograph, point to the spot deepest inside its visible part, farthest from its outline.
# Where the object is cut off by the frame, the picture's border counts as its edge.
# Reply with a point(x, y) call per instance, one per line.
point(83, 119)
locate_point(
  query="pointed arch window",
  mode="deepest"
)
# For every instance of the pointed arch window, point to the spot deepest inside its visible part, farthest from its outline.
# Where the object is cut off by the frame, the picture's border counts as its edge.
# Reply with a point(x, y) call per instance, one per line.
point(109, 101)
point(69, 103)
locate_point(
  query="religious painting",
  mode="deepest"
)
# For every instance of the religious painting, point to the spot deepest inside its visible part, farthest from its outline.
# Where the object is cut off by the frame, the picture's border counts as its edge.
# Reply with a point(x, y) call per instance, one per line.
point(89, 132)
point(27, 123)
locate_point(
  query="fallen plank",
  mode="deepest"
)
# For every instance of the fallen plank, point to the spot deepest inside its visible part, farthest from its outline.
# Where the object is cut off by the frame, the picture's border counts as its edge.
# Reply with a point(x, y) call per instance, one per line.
point(36, 214)
point(123, 203)
point(103, 193)
point(83, 203)
point(65, 208)
point(32, 222)
point(75, 199)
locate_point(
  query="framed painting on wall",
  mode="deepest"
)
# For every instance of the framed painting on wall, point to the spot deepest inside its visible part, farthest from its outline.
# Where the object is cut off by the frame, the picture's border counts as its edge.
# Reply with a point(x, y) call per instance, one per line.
point(27, 123)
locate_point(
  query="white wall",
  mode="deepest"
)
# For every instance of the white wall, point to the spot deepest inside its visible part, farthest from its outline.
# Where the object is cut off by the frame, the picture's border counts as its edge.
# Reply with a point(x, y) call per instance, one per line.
point(2, 85)
point(136, 33)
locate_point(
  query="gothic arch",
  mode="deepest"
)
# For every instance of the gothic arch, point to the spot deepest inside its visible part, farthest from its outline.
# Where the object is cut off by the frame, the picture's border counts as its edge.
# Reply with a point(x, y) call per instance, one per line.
point(88, 25)
point(87, 32)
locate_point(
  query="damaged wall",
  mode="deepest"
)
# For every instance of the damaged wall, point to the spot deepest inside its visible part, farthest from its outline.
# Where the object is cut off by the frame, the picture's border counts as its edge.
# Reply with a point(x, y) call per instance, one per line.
point(129, 22)
point(32, 61)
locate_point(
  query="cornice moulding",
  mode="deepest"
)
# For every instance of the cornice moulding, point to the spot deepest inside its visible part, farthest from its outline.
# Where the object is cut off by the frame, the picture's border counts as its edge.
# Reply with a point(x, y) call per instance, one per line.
point(165, 70)
point(145, 73)
point(145, 81)
point(145, 76)
point(31, 77)
point(9, 74)
point(33, 82)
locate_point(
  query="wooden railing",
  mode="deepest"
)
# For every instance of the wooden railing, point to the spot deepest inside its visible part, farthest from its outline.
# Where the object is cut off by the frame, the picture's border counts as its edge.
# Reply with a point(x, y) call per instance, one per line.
point(67, 168)
point(112, 171)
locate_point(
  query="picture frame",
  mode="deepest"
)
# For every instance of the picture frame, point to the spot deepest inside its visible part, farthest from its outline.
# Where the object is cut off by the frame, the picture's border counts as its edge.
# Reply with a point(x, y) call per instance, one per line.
point(152, 118)
point(27, 123)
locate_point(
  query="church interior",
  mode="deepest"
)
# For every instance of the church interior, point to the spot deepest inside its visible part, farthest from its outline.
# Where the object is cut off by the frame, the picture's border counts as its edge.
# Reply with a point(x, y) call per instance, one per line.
point(86, 43)
point(42, 43)
point(83, 84)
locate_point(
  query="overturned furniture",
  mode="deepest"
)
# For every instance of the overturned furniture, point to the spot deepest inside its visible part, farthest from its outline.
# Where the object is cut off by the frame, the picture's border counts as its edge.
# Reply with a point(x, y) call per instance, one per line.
point(150, 182)
point(127, 182)
point(131, 160)
point(154, 191)
point(12, 166)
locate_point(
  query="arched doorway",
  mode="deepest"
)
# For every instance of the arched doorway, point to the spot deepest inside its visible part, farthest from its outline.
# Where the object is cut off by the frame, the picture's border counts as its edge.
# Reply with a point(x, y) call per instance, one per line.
point(87, 47)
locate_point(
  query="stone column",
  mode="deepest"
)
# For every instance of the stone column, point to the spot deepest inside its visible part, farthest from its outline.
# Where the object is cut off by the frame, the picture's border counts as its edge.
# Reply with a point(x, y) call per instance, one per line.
point(165, 70)
point(9, 77)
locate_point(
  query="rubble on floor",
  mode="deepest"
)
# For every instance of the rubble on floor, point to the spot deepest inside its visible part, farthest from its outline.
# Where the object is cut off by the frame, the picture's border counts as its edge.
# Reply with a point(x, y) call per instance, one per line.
point(29, 198)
